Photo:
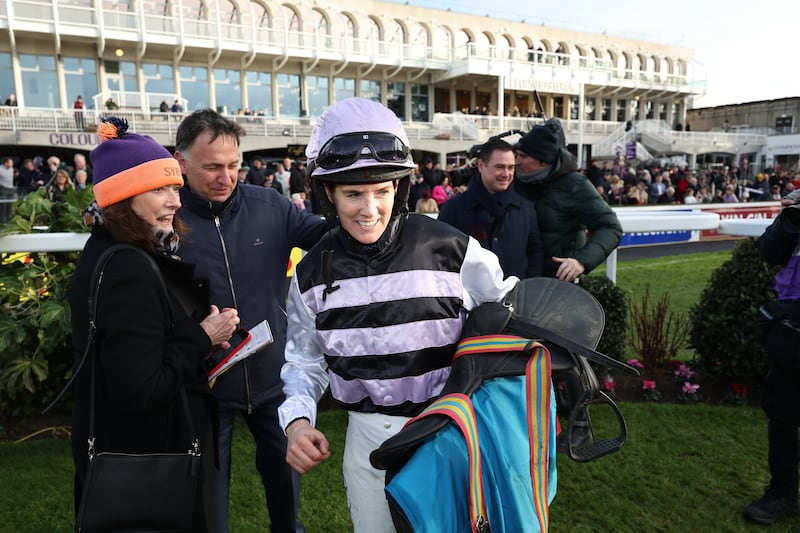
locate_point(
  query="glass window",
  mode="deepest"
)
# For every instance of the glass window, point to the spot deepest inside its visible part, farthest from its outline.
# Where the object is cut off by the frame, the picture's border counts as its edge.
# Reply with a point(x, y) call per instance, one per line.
point(635, 109)
point(344, 88)
point(129, 76)
point(121, 78)
point(676, 114)
point(39, 80)
point(371, 90)
point(318, 100)
point(606, 109)
point(589, 108)
point(159, 80)
point(574, 107)
point(289, 104)
point(194, 87)
point(80, 78)
point(228, 89)
point(419, 103)
point(396, 98)
point(662, 111)
point(558, 106)
point(6, 82)
point(650, 110)
point(259, 93)
point(622, 106)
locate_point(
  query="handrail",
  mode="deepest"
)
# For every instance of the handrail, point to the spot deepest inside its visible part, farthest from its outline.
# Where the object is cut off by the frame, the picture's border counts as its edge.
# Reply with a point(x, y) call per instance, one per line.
point(43, 242)
point(633, 220)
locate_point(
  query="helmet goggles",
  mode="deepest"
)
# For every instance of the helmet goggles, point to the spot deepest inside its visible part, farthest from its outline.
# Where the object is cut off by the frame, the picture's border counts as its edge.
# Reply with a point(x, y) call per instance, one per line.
point(343, 150)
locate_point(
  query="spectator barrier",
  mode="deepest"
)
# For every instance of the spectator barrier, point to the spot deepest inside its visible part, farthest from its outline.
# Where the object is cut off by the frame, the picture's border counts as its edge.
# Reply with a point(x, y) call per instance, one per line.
point(643, 226)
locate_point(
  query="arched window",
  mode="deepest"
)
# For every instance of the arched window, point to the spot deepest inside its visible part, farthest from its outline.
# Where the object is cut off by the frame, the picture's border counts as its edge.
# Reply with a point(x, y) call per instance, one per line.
point(159, 8)
point(121, 6)
point(323, 24)
point(395, 33)
point(351, 30)
point(196, 18)
point(158, 16)
point(229, 13)
point(293, 18)
point(441, 43)
point(395, 39)
point(505, 47)
point(483, 44)
point(263, 18)
point(372, 32)
point(418, 41)
point(563, 52)
point(195, 10)
point(623, 65)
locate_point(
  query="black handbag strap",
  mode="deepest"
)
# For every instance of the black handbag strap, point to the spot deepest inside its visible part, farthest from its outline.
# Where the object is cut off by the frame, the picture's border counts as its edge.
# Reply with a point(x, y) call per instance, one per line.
point(94, 287)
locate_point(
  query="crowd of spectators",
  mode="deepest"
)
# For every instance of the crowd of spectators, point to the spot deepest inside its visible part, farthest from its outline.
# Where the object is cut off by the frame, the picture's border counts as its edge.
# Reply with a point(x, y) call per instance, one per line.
point(649, 184)
point(619, 185)
point(22, 176)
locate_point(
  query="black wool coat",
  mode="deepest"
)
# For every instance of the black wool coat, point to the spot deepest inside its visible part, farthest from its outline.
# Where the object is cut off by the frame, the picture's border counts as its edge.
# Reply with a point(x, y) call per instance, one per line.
point(147, 347)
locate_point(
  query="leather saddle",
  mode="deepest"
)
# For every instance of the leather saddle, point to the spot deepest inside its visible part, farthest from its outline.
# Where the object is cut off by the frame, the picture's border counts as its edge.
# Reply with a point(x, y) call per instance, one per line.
point(563, 317)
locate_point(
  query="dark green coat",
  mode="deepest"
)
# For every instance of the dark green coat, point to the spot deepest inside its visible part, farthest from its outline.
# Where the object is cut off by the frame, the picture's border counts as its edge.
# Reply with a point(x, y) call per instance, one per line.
point(567, 205)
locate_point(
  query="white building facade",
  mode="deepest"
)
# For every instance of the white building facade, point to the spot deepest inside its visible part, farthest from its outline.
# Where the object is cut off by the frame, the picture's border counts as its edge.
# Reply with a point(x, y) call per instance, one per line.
point(282, 63)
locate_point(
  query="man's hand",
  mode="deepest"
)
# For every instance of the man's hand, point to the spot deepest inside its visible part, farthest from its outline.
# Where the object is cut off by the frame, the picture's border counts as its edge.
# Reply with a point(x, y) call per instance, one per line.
point(569, 269)
point(307, 447)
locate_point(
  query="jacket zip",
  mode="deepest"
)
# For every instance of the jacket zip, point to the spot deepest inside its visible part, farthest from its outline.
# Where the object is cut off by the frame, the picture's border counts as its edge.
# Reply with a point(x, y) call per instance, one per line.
point(235, 305)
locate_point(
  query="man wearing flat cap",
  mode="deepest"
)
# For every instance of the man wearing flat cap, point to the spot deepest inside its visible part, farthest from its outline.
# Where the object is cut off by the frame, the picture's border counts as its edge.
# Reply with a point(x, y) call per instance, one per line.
point(567, 204)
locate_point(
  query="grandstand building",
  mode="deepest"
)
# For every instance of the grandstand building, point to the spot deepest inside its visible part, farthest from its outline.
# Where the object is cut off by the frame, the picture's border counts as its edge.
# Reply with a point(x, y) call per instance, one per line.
point(454, 79)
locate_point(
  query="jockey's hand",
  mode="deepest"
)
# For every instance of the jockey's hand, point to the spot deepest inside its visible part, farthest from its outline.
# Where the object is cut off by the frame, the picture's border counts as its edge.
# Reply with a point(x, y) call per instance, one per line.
point(569, 269)
point(307, 447)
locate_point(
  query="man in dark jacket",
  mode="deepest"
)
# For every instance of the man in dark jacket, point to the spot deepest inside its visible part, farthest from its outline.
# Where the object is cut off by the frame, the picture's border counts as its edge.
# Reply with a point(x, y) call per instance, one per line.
point(567, 205)
point(432, 175)
point(256, 174)
point(498, 217)
point(241, 239)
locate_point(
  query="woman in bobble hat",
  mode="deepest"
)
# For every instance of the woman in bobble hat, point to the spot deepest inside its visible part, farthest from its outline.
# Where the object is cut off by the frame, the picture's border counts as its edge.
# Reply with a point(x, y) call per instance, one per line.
point(376, 307)
point(149, 344)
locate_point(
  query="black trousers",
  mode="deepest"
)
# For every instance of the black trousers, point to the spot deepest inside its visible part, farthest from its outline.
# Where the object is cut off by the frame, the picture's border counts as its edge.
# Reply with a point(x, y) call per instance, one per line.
point(781, 403)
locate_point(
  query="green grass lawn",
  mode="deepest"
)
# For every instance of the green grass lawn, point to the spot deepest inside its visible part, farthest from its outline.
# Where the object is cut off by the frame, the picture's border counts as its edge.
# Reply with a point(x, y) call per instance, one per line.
point(684, 467)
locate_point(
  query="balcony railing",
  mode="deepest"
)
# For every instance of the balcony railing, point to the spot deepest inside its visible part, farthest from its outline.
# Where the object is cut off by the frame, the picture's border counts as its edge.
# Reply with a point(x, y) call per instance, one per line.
point(82, 19)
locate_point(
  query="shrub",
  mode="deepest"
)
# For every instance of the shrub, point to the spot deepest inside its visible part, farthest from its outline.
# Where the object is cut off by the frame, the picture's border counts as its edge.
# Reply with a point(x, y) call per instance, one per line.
point(615, 305)
point(35, 329)
point(657, 333)
point(723, 333)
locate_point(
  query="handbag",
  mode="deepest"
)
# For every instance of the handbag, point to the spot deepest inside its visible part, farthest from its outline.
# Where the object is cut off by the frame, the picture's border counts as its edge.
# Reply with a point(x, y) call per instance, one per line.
point(139, 492)
point(124, 492)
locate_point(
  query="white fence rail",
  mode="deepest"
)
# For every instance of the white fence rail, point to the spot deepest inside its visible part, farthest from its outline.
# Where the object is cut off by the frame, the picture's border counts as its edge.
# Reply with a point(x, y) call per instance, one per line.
point(633, 220)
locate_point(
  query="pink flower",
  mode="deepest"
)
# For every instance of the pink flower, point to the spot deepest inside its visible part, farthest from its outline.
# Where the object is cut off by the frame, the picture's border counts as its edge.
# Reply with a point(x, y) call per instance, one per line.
point(608, 384)
point(684, 371)
point(648, 384)
point(689, 388)
point(635, 363)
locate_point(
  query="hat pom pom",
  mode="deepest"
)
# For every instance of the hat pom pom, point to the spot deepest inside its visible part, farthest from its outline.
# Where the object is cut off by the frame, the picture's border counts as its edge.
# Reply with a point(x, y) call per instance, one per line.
point(112, 128)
